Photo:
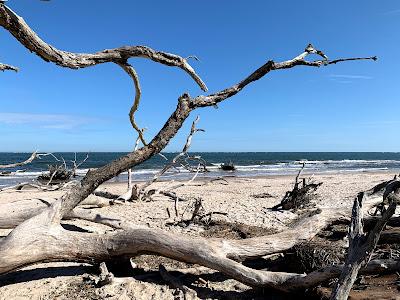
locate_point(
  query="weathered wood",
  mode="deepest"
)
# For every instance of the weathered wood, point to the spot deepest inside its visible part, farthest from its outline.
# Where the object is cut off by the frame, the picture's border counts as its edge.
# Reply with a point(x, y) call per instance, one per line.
point(28, 38)
point(390, 236)
point(33, 156)
point(4, 67)
point(361, 246)
point(298, 197)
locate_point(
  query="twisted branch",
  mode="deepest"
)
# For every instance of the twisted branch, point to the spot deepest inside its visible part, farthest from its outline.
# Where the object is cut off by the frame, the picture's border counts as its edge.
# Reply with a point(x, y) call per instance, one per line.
point(16, 25)
point(138, 92)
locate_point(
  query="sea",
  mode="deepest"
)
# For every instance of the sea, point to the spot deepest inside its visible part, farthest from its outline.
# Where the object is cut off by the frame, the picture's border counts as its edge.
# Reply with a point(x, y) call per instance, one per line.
point(248, 164)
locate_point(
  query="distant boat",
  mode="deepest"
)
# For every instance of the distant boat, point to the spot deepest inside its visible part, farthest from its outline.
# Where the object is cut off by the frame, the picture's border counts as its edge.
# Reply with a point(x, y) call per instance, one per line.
point(227, 167)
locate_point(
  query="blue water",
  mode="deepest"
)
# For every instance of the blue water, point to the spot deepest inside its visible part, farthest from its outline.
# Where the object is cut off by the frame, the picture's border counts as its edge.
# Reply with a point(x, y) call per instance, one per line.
point(248, 164)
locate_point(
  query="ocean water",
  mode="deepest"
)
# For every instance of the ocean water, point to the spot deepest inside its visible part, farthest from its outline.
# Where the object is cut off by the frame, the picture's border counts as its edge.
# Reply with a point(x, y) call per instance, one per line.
point(248, 164)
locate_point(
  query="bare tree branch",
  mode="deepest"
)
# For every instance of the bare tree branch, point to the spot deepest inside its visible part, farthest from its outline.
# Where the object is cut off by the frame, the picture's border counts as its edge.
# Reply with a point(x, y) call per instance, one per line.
point(4, 67)
point(214, 99)
point(175, 160)
point(135, 78)
point(34, 155)
point(27, 37)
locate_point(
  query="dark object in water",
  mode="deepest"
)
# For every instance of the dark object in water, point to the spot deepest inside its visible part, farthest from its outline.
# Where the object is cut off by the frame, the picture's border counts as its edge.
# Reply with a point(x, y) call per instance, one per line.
point(228, 166)
point(5, 173)
point(57, 174)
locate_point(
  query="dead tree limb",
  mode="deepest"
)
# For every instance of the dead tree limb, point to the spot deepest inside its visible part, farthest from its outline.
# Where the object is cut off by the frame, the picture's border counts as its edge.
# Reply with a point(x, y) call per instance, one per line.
point(4, 67)
point(33, 156)
point(214, 99)
point(132, 190)
point(176, 160)
point(76, 165)
point(16, 25)
point(361, 246)
point(138, 92)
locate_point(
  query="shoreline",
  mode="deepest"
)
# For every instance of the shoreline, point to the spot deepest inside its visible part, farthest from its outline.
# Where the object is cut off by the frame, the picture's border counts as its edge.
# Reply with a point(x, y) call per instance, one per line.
point(185, 176)
point(262, 176)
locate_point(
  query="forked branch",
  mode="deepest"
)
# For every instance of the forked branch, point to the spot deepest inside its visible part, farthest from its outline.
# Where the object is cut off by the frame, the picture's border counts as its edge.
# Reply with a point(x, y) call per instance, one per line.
point(214, 99)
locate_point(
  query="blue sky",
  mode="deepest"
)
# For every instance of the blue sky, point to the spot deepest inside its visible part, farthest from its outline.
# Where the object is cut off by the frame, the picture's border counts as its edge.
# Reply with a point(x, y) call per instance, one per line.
point(346, 107)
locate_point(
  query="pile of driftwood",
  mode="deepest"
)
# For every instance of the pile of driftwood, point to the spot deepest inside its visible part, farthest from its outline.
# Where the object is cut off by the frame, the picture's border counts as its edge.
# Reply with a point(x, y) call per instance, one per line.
point(301, 194)
point(57, 177)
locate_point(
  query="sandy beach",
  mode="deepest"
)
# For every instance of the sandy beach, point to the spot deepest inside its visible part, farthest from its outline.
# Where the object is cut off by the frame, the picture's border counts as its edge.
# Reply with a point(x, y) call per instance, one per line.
point(234, 196)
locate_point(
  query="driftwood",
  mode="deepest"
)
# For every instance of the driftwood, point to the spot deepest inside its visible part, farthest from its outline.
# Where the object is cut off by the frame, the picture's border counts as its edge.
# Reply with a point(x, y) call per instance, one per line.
point(34, 155)
point(180, 159)
point(14, 213)
point(298, 197)
point(361, 246)
point(76, 164)
point(55, 174)
point(40, 237)
point(4, 67)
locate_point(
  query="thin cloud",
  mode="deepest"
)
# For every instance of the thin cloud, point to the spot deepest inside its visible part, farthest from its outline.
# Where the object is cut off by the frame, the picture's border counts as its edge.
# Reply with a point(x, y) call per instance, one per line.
point(48, 121)
point(345, 76)
point(392, 12)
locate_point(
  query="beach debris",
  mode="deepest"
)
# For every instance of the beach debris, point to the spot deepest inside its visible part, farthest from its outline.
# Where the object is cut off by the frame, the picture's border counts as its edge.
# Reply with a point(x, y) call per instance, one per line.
point(198, 214)
point(56, 174)
point(76, 164)
point(182, 159)
point(301, 194)
point(262, 195)
point(60, 173)
point(361, 245)
point(105, 277)
point(227, 166)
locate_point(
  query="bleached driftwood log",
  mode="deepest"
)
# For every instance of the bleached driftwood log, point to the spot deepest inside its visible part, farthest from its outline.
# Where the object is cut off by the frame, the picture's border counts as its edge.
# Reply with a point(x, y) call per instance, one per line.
point(41, 238)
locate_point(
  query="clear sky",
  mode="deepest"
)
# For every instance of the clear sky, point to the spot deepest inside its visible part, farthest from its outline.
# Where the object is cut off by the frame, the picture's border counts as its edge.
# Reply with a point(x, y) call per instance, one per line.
point(346, 107)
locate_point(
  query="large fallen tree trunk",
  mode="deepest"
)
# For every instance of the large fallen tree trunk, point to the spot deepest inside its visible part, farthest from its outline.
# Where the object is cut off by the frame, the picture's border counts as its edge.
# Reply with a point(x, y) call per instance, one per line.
point(48, 241)
point(41, 237)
